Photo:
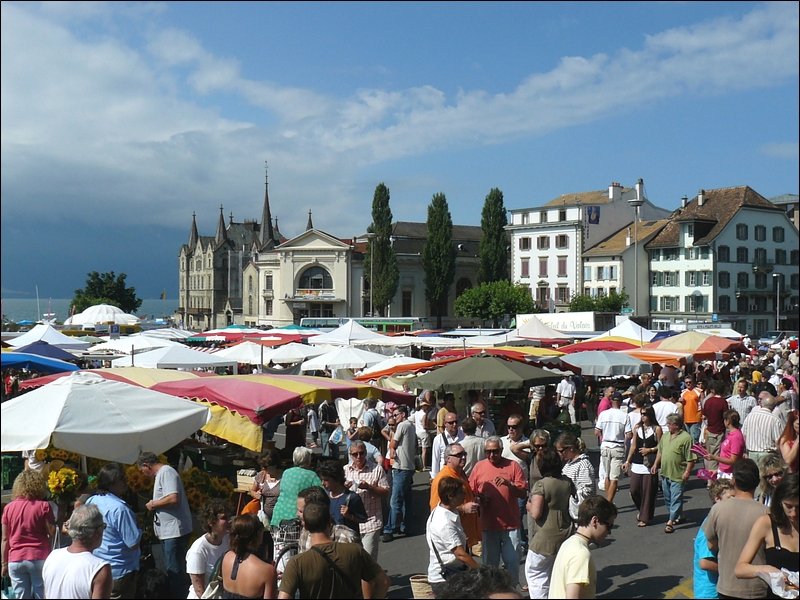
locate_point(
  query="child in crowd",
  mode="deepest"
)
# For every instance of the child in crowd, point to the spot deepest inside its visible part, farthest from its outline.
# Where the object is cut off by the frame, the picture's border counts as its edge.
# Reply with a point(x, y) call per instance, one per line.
point(352, 431)
point(705, 561)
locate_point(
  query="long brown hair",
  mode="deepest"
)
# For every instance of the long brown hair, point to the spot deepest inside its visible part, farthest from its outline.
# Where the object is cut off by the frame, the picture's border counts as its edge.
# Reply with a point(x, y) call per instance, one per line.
point(788, 432)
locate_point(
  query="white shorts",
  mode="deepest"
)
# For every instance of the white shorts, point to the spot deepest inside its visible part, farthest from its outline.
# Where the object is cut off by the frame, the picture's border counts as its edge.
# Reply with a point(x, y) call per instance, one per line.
point(612, 458)
point(424, 440)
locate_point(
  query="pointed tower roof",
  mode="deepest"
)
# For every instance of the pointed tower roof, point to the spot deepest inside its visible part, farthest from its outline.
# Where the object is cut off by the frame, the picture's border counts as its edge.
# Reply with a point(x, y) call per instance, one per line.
point(193, 235)
point(309, 225)
point(222, 233)
point(267, 232)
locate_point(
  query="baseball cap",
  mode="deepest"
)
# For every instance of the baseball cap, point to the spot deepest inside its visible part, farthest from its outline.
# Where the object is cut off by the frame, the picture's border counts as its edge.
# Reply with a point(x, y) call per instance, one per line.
point(616, 396)
point(779, 372)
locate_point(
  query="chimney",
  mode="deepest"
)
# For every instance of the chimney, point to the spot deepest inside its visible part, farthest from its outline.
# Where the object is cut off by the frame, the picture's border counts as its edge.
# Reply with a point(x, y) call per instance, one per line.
point(614, 191)
point(684, 202)
point(640, 190)
point(701, 198)
point(628, 238)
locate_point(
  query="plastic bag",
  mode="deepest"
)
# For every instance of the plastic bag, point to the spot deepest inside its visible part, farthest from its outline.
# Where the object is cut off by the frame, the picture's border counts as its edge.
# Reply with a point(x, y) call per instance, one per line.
point(337, 436)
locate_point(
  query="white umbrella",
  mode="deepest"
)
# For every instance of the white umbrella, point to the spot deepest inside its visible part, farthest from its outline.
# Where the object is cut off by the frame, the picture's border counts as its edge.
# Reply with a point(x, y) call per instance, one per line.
point(342, 358)
point(292, 353)
point(174, 357)
point(391, 362)
point(102, 313)
point(98, 417)
point(248, 353)
point(129, 343)
point(602, 363)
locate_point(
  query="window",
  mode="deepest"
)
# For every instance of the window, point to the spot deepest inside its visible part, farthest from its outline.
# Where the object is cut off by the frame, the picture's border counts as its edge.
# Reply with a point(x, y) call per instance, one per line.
point(543, 267)
point(658, 278)
point(669, 303)
point(670, 254)
point(691, 278)
point(543, 242)
point(690, 230)
point(777, 234)
point(268, 281)
point(587, 291)
point(587, 273)
point(741, 304)
point(794, 281)
point(655, 254)
point(612, 290)
point(704, 252)
point(601, 293)
point(670, 278)
point(525, 218)
point(695, 303)
point(653, 303)
point(542, 216)
point(406, 301)
point(525, 243)
point(601, 273)
point(562, 294)
point(742, 254)
point(741, 231)
point(742, 280)
point(706, 278)
point(761, 280)
point(795, 257)
point(249, 305)
point(723, 254)
point(780, 256)
point(759, 233)
point(724, 303)
point(724, 279)
point(267, 307)
point(562, 214)
point(612, 272)
point(562, 241)
point(760, 256)
point(525, 267)
point(316, 278)
point(690, 253)
point(562, 266)
point(543, 296)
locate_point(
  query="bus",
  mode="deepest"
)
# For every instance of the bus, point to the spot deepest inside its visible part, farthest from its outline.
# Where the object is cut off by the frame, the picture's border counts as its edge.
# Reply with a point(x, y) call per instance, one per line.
point(379, 324)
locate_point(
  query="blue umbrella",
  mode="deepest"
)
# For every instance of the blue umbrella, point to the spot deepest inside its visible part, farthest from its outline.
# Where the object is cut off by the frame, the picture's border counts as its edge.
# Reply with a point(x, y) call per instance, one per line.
point(34, 362)
point(42, 348)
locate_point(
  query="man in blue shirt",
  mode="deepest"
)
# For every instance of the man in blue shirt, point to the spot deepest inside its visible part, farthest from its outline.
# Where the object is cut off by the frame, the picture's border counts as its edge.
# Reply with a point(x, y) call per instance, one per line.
point(120, 546)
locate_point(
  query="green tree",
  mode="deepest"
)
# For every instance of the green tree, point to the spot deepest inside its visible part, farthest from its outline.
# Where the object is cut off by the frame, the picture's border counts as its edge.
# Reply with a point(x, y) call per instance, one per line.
point(385, 270)
point(493, 248)
point(106, 288)
point(438, 256)
point(581, 303)
point(491, 301)
point(613, 302)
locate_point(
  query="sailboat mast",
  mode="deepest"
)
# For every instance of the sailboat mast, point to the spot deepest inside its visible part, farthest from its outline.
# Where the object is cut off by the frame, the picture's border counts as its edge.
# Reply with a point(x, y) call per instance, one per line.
point(38, 310)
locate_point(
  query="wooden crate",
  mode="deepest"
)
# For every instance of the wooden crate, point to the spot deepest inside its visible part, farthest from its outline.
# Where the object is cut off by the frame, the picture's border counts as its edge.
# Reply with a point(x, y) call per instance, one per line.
point(245, 478)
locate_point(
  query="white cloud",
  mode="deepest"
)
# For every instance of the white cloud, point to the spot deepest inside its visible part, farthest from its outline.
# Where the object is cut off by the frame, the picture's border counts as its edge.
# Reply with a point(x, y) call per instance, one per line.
point(787, 150)
point(115, 127)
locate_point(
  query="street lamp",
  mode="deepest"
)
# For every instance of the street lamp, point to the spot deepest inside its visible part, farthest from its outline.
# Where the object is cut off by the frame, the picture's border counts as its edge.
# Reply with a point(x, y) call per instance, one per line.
point(777, 277)
point(370, 237)
point(636, 202)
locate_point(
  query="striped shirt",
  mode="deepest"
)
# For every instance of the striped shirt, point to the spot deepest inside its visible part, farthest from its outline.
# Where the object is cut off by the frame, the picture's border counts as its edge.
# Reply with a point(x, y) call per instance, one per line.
point(761, 430)
point(582, 474)
point(374, 475)
point(743, 405)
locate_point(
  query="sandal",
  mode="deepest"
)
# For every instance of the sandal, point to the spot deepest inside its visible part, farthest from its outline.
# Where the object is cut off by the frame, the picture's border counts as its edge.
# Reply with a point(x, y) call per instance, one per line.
point(668, 528)
point(641, 524)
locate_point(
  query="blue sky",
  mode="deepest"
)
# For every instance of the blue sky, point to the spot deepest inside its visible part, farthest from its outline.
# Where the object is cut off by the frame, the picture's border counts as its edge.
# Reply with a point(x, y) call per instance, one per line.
point(119, 120)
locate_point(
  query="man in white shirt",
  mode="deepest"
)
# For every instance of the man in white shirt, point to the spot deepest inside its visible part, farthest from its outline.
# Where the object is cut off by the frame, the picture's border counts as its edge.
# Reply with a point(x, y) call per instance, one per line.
point(450, 435)
point(611, 425)
point(484, 425)
point(565, 396)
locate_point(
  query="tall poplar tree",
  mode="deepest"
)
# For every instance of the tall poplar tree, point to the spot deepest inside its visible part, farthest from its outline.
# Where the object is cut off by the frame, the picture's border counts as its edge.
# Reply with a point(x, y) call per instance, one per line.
point(384, 269)
point(439, 257)
point(493, 249)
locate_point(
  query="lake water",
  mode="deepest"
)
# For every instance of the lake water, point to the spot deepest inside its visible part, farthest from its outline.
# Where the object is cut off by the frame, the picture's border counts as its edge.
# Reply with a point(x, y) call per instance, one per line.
point(18, 309)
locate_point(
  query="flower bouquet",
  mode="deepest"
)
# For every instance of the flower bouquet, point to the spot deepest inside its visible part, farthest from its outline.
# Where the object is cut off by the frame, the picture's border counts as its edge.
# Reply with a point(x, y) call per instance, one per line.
point(63, 482)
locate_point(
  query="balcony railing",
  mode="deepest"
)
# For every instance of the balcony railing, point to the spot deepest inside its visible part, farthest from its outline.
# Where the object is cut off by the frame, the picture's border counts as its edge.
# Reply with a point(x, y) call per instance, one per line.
point(268, 294)
point(763, 266)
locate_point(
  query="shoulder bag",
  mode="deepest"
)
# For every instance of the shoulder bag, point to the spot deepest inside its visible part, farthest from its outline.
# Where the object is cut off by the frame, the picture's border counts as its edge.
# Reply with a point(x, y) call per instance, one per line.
point(214, 588)
point(338, 571)
point(447, 570)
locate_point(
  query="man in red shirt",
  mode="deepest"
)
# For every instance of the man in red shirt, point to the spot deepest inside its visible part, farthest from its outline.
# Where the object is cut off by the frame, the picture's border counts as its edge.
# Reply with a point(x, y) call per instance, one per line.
point(713, 410)
point(497, 482)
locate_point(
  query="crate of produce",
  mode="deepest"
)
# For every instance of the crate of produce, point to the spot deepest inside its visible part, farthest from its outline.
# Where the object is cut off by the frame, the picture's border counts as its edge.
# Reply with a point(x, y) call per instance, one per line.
point(244, 478)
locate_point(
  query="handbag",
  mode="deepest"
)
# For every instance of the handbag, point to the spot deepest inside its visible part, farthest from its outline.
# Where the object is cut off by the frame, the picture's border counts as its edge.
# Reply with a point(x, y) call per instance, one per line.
point(447, 571)
point(214, 588)
point(252, 507)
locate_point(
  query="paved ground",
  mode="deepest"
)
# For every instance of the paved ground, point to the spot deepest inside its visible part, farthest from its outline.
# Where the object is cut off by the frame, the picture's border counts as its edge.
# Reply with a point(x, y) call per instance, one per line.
point(634, 563)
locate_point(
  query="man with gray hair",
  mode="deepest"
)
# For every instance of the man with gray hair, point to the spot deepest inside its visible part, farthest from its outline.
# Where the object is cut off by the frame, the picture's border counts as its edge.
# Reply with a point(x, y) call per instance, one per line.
point(762, 428)
point(74, 572)
point(497, 482)
point(676, 461)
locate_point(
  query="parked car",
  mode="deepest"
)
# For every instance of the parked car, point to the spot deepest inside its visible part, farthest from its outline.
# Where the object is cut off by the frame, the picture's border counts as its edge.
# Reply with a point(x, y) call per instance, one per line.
point(770, 338)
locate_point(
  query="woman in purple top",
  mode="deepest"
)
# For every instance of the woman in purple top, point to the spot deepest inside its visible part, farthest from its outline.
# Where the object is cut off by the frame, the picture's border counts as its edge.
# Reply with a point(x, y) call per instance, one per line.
point(732, 447)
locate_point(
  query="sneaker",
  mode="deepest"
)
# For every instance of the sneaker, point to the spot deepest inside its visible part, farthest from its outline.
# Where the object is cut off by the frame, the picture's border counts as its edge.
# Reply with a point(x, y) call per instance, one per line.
point(387, 537)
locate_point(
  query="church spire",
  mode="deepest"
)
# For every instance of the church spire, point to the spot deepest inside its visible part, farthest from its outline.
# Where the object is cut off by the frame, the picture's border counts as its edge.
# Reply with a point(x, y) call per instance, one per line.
point(309, 225)
point(193, 235)
point(267, 232)
point(222, 232)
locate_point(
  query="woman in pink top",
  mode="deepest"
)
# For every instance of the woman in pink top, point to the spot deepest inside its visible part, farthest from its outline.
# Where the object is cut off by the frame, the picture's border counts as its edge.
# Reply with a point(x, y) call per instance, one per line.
point(28, 529)
point(788, 442)
point(732, 447)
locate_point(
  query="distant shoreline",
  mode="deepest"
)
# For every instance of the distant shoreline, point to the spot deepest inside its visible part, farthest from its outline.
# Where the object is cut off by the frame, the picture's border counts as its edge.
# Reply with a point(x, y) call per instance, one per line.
point(20, 309)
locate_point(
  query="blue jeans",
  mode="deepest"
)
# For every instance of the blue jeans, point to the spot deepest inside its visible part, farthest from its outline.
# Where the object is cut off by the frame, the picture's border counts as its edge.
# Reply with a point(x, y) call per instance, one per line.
point(400, 502)
point(175, 564)
point(673, 497)
point(505, 544)
point(694, 430)
point(26, 578)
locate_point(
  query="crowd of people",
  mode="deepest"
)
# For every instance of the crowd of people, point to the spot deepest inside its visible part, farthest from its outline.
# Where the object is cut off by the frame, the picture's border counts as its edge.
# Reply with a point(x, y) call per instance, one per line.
point(505, 491)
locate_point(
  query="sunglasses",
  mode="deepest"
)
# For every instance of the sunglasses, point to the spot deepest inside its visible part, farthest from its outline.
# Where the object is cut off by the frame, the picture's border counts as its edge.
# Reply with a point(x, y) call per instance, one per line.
point(773, 475)
point(478, 412)
point(359, 453)
point(564, 449)
point(513, 426)
point(459, 455)
point(540, 446)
